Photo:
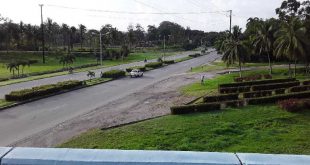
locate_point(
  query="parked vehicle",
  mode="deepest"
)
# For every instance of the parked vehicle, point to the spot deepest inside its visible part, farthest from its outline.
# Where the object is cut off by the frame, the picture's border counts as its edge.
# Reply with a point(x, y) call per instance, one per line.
point(136, 73)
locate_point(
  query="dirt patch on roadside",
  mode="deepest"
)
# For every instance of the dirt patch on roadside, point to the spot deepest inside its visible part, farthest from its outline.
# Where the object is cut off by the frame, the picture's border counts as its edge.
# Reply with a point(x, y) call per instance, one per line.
point(153, 101)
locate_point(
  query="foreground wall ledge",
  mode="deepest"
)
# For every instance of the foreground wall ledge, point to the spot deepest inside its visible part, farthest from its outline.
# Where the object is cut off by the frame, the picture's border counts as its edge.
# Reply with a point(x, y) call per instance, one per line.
point(36, 156)
point(64, 156)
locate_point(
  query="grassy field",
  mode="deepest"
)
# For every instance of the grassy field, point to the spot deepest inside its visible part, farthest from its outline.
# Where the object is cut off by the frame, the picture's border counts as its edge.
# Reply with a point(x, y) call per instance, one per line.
point(259, 129)
point(219, 65)
point(52, 61)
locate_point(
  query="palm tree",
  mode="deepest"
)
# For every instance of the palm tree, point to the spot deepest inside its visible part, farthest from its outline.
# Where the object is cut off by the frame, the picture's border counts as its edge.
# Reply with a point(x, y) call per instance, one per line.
point(91, 74)
point(289, 42)
point(12, 67)
point(234, 49)
point(263, 40)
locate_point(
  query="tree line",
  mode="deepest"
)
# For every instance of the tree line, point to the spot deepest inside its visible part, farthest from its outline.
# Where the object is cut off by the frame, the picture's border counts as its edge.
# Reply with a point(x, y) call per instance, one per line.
point(285, 38)
point(28, 37)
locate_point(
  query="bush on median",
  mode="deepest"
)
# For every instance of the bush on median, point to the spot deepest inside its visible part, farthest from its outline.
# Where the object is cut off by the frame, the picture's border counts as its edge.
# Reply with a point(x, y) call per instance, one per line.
point(300, 88)
point(186, 109)
point(235, 90)
point(154, 65)
point(113, 74)
point(26, 94)
point(141, 68)
point(169, 62)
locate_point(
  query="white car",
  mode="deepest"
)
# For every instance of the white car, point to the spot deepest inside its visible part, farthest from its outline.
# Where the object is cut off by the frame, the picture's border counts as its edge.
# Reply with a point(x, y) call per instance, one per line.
point(136, 73)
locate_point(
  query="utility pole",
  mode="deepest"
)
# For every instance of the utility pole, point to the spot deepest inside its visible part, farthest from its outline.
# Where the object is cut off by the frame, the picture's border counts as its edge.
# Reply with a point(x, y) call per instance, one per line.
point(100, 48)
point(230, 16)
point(43, 40)
point(164, 47)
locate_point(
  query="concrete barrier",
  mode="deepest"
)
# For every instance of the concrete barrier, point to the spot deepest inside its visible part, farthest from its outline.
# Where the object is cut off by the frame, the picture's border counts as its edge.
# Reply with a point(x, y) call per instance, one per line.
point(63, 156)
point(272, 159)
point(51, 156)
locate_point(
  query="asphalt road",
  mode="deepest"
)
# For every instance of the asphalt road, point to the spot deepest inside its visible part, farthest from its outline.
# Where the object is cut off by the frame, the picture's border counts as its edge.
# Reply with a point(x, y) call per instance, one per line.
point(23, 121)
point(78, 76)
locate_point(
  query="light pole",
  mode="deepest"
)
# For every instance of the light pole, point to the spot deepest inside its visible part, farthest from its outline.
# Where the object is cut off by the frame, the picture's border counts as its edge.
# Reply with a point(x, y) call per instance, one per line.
point(43, 42)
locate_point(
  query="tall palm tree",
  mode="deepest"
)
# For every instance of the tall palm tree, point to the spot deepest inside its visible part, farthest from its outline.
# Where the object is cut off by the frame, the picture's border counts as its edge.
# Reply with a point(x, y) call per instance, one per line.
point(263, 40)
point(289, 42)
point(235, 49)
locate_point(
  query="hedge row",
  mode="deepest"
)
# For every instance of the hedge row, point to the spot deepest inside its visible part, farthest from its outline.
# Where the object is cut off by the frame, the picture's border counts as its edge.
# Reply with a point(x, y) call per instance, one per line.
point(154, 65)
point(294, 105)
point(4, 79)
point(141, 68)
point(220, 98)
point(195, 55)
point(234, 103)
point(260, 82)
point(43, 90)
point(235, 89)
point(275, 86)
point(306, 82)
point(274, 99)
point(113, 74)
point(300, 88)
point(169, 62)
point(280, 91)
point(257, 94)
point(185, 109)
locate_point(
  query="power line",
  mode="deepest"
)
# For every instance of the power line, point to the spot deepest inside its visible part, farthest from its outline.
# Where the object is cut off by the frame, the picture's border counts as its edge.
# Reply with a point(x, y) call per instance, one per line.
point(136, 13)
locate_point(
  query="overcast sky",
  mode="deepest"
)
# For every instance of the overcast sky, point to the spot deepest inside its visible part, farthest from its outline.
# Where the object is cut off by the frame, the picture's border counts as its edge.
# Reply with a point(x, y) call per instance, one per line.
point(70, 12)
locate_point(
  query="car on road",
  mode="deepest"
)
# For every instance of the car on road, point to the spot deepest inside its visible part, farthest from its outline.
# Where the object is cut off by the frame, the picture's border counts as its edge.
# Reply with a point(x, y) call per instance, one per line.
point(136, 73)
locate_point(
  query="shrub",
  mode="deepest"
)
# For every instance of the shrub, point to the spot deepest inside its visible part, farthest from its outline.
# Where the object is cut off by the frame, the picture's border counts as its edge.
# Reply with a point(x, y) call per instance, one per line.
point(234, 103)
point(280, 91)
point(194, 55)
point(4, 79)
point(219, 98)
point(300, 88)
point(267, 76)
point(294, 105)
point(154, 65)
point(306, 82)
point(275, 86)
point(113, 74)
point(43, 90)
point(238, 79)
point(235, 90)
point(274, 99)
point(169, 62)
point(257, 94)
point(186, 109)
point(141, 68)
point(260, 82)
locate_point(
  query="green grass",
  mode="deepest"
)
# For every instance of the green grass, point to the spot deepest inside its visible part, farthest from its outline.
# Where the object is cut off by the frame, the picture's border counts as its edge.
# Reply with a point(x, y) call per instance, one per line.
point(4, 103)
point(259, 129)
point(219, 65)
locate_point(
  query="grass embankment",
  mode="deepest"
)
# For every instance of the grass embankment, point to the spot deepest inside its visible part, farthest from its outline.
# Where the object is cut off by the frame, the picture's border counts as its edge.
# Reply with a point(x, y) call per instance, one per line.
point(52, 63)
point(258, 129)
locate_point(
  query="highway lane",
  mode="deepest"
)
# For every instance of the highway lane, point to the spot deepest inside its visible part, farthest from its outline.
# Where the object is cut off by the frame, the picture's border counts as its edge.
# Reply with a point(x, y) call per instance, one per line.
point(23, 121)
point(79, 76)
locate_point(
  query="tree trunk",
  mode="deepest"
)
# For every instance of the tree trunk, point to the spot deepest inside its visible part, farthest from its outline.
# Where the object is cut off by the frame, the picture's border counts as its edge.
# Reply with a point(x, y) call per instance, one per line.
point(289, 69)
point(240, 70)
point(270, 67)
point(295, 68)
